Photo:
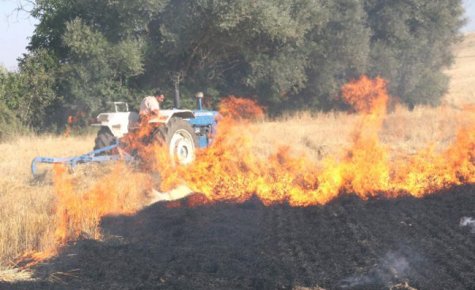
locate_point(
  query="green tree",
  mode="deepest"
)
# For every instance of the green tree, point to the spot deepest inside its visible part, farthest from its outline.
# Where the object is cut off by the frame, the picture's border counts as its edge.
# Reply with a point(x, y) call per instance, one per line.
point(96, 70)
point(339, 53)
point(38, 81)
point(411, 45)
point(98, 46)
point(251, 47)
point(9, 122)
point(285, 53)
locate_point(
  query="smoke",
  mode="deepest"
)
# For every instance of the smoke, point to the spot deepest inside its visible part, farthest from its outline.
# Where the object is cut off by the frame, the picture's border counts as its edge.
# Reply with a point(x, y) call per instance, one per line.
point(396, 264)
point(392, 267)
point(468, 222)
point(356, 281)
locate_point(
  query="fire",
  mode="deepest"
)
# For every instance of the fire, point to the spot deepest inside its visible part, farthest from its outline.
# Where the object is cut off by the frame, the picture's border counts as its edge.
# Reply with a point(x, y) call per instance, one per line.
point(79, 213)
point(78, 210)
point(428, 171)
point(234, 108)
point(71, 121)
point(366, 166)
point(230, 171)
point(367, 96)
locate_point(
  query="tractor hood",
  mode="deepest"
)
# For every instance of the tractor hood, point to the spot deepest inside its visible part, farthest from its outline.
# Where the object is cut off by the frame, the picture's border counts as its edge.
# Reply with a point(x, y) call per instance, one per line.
point(166, 115)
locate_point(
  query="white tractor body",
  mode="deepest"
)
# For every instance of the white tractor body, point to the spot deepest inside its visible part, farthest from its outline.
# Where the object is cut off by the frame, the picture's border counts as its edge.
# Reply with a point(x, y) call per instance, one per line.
point(118, 123)
point(122, 121)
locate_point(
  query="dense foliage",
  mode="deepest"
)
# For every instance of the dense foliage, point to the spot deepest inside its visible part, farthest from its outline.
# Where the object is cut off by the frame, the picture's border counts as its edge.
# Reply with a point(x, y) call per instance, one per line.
point(284, 53)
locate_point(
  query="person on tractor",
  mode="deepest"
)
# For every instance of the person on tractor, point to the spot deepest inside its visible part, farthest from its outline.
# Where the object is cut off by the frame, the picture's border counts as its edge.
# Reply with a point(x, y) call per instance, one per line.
point(149, 109)
point(150, 105)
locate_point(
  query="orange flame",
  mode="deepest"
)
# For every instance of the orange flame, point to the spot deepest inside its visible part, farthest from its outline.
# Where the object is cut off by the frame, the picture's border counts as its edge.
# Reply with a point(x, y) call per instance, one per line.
point(71, 121)
point(234, 108)
point(78, 212)
point(230, 171)
point(366, 95)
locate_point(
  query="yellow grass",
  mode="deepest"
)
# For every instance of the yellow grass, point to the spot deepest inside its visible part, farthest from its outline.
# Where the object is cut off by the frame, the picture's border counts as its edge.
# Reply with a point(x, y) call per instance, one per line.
point(315, 135)
point(404, 132)
point(462, 73)
point(26, 204)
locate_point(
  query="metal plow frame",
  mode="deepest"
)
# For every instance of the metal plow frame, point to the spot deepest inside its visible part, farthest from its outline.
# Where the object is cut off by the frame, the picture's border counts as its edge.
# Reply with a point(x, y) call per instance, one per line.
point(72, 162)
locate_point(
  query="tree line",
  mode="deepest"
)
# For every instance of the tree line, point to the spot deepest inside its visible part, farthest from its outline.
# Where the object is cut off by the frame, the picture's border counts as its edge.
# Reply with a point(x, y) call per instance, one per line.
point(286, 54)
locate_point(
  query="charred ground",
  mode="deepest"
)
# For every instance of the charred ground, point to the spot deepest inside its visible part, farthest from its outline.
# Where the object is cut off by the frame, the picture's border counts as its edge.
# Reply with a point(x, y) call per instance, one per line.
point(347, 244)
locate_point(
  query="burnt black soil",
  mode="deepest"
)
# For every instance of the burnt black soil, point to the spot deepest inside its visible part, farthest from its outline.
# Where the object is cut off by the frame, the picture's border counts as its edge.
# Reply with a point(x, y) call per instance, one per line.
point(347, 244)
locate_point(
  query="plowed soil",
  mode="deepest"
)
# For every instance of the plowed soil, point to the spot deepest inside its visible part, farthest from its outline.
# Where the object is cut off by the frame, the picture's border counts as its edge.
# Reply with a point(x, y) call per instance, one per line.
point(348, 244)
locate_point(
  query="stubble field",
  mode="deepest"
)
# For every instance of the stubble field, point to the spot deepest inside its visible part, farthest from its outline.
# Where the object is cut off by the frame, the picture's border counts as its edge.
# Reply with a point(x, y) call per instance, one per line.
point(348, 243)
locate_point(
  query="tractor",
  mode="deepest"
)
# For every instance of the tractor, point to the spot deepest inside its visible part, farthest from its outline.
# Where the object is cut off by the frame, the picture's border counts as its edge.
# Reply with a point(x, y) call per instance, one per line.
point(181, 130)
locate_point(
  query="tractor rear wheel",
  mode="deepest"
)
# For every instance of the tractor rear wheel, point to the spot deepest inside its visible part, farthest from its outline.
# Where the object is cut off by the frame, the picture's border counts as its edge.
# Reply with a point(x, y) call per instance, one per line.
point(104, 138)
point(180, 139)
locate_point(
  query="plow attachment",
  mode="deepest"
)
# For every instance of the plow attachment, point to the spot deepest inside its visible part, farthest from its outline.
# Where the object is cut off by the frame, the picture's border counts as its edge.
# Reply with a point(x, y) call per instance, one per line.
point(72, 162)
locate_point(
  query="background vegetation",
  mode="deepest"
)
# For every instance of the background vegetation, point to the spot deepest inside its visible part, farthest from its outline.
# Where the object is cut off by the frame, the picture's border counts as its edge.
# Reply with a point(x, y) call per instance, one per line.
point(287, 54)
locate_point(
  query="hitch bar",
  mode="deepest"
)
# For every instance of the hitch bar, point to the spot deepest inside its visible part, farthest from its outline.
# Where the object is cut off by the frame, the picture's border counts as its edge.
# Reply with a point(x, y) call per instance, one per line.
point(85, 158)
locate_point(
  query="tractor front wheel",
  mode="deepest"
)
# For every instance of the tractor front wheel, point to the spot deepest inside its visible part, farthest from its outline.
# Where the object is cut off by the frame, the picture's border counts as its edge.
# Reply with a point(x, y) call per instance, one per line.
point(180, 139)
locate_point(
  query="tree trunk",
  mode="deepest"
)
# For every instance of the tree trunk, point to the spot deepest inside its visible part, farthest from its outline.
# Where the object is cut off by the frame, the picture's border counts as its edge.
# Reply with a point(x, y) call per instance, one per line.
point(177, 81)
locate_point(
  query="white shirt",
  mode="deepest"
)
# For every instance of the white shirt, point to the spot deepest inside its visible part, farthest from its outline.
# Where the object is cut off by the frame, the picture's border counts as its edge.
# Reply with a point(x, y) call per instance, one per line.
point(148, 105)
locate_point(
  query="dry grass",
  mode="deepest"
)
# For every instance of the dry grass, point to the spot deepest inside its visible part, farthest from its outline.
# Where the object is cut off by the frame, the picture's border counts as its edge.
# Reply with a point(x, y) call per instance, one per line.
point(462, 73)
point(404, 132)
point(315, 135)
point(26, 205)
